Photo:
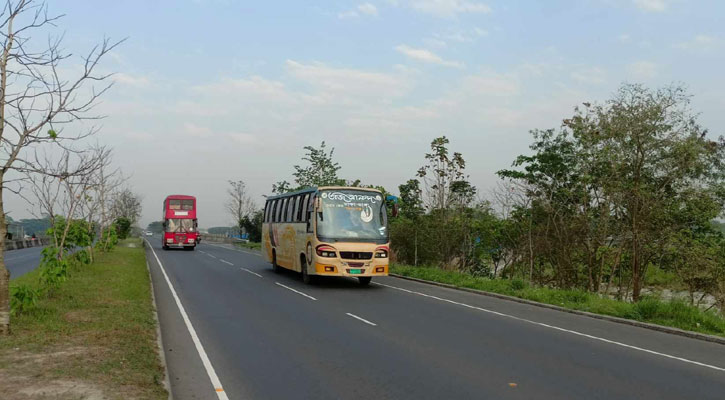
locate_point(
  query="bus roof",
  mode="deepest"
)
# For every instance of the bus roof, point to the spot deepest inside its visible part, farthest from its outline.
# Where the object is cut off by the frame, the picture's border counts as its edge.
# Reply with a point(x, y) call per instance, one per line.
point(180, 197)
point(314, 189)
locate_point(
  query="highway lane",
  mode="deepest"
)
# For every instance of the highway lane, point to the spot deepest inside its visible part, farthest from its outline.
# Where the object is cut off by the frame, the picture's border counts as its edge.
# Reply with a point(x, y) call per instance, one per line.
point(22, 261)
point(268, 335)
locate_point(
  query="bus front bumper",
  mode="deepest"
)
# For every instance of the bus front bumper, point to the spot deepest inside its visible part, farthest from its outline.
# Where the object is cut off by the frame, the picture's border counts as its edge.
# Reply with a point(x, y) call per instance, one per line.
point(351, 271)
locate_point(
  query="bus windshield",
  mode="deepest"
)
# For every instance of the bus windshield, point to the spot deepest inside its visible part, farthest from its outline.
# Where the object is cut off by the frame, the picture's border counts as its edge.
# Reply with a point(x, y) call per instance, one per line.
point(180, 225)
point(352, 215)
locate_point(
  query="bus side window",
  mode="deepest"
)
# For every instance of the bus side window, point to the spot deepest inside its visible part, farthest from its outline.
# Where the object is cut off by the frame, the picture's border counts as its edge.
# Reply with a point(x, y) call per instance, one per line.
point(310, 209)
point(282, 210)
point(295, 211)
point(290, 206)
point(266, 211)
point(302, 213)
point(272, 217)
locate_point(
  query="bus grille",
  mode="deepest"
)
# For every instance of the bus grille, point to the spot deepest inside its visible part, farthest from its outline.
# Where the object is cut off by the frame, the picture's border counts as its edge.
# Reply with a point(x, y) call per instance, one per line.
point(356, 255)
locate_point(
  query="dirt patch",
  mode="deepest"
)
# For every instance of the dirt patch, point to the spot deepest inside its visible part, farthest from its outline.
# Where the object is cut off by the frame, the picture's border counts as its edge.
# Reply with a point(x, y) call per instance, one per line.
point(30, 376)
point(78, 316)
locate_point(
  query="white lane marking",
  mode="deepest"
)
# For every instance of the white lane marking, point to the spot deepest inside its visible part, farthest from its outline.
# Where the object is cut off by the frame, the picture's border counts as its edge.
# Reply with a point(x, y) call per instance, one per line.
point(251, 272)
point(629, 346)
point(362, 319)
point(226, 262)
point(215, 382)
point(202, 251)
point(241, 251)
point(211, 255)
point(296, 291)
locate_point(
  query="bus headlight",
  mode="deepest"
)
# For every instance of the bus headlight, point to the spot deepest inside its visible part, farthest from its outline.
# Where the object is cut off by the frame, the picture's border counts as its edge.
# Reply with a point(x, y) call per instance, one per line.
point(326, 251)
point(381, 254)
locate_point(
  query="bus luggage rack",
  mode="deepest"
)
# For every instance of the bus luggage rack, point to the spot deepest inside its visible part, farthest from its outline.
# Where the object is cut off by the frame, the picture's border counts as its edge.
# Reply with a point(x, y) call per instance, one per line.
point(356, 255)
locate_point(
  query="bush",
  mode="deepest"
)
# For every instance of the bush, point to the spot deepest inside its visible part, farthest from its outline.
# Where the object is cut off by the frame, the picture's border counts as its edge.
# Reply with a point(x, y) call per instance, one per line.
point(22, 298)
point(518, 284)
point(53, 270)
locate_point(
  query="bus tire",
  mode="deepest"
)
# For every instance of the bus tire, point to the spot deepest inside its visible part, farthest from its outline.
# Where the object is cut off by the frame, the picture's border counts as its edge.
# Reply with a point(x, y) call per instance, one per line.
point(275, 267)
point(306, 277)
point(365, 280)
point(165, 247)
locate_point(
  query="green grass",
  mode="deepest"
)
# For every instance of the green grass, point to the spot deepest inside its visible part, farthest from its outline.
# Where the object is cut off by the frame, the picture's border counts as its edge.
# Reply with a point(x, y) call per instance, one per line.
point(99, 324)
point(250, 245)
point(675, 314)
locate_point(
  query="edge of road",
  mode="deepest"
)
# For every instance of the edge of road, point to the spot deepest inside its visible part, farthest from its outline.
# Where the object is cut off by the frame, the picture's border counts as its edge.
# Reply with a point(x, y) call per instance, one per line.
point(624, 321)
point(646, 325)
point(159, 339)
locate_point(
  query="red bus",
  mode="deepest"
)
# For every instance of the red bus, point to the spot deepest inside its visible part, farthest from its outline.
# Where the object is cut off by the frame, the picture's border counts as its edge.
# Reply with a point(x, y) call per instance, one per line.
point(180, 226)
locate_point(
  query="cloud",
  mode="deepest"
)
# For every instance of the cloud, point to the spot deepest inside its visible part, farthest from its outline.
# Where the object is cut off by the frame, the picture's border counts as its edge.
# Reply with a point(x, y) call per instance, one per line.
point(624, 38)
point(448, 8)
point(699, 43)
point(590, 75)
point(196, 131)
point(130, 80)
point(426, 56)
point(651, 5)
point(361, 9)
point(367, 9)
point(642, 70)
point(348, 82)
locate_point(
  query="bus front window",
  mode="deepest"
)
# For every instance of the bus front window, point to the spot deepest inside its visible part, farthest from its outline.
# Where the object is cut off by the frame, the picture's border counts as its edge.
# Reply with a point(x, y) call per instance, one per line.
point(180, 225)
point(352, 215)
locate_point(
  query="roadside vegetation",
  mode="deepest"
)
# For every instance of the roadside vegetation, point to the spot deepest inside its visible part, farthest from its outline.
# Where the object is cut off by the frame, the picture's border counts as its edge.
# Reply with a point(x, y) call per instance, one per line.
point(677, 313)
point(620, 207)
point(93, 336)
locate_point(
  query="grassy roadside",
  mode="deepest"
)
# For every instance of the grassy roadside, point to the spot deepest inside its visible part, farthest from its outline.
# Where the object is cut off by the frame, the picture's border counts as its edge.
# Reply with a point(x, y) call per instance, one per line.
point(92, 337)
point(675, 314)
point(249, 245)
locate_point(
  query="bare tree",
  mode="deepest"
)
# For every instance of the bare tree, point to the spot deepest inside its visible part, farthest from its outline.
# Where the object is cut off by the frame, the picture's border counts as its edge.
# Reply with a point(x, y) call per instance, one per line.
point(239, 203)
point(62, 187)
point(37, 100)
point(126, 204)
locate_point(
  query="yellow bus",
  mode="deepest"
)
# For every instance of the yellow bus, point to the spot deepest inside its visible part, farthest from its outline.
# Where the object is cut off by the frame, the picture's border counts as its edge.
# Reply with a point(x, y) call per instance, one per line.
point(328, 231)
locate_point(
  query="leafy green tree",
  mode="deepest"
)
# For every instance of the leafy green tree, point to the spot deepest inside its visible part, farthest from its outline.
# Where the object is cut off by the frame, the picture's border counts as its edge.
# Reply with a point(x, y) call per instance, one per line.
point(123, 227)
point(319, 170)
point(253, 225)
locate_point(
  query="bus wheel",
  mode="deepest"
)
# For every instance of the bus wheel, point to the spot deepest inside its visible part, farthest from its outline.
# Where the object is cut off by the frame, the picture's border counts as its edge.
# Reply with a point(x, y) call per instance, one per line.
point(275, 267)
point(306, 277)
point(365, 280)
point(165, 247)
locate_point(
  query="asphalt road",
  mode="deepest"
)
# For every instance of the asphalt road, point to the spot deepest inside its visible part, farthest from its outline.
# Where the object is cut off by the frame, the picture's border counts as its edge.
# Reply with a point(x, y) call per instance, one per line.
point(22, 261)
point(261, 335)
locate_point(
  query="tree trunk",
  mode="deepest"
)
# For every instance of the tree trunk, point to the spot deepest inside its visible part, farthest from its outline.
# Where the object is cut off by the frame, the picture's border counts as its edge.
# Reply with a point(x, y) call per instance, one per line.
point(4, 274)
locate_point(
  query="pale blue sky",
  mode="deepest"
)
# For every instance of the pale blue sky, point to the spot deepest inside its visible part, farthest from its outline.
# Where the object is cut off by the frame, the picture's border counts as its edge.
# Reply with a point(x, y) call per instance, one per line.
point(210, 90)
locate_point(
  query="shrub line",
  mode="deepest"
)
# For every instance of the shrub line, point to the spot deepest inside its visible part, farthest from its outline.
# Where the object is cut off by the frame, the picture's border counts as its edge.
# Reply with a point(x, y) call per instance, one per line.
point(646, 325)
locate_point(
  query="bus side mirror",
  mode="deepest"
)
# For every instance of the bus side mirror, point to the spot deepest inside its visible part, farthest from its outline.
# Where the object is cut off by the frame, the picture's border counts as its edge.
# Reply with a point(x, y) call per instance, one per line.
point(394, 211)
point(309, 220)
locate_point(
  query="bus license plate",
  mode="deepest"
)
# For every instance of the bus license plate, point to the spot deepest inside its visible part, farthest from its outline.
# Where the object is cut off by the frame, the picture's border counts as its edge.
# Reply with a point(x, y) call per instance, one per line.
point(356, 271)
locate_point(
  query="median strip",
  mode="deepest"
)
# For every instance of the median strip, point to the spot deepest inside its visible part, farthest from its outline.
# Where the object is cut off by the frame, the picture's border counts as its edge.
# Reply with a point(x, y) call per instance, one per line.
point(296, 291)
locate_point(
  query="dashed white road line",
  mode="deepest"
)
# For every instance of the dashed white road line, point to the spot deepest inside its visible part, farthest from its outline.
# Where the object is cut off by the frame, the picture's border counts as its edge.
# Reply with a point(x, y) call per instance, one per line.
point(216, 383)
point(296, 291)
point(685, 360)
point(226, 262)
point(211, 255)
point(202, 251)
point(251, 272)
point(362, 319)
